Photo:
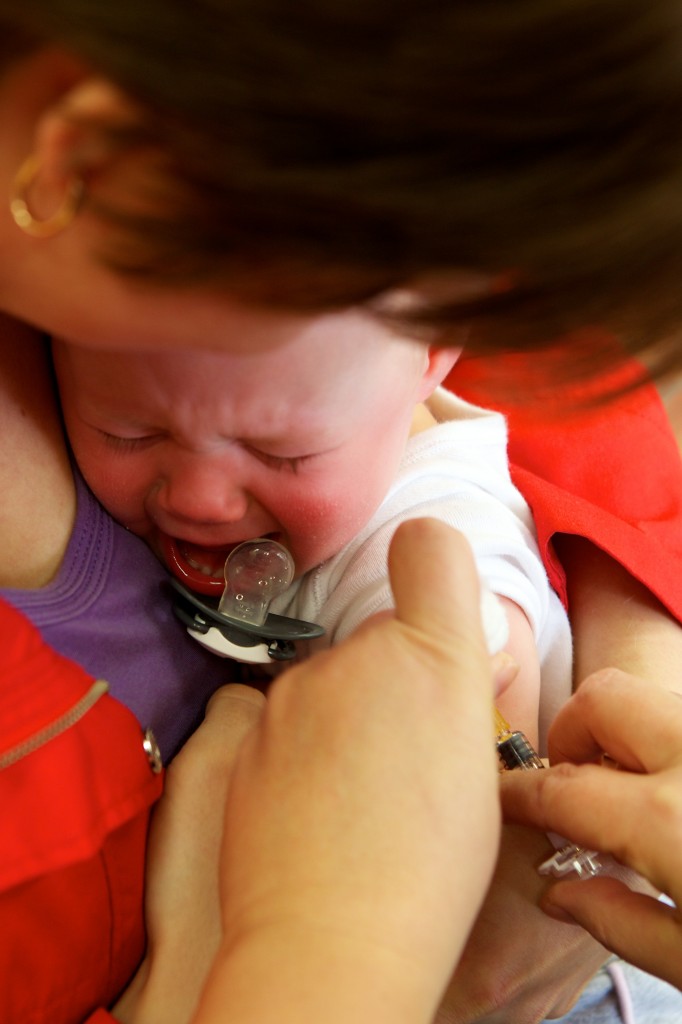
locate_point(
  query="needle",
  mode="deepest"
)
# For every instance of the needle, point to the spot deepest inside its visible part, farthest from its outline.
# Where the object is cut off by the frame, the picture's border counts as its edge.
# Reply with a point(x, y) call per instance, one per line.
point(514, 751)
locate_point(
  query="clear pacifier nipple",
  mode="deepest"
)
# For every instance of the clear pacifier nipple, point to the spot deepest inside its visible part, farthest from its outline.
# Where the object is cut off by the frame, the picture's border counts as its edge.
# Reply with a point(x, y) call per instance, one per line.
point(255, 573)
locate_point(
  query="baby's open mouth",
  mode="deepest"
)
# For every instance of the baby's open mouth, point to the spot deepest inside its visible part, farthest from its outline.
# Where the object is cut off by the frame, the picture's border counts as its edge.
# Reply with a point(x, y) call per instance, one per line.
point(200, 568)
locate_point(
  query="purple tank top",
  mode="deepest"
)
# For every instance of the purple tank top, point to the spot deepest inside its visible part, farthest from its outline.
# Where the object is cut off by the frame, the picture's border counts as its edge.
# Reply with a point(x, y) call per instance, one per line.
point(108, 610)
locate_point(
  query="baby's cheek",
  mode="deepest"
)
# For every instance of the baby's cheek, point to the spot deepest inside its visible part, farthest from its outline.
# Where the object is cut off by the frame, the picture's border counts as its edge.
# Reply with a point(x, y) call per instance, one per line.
point(117, 491)
point(321, 528)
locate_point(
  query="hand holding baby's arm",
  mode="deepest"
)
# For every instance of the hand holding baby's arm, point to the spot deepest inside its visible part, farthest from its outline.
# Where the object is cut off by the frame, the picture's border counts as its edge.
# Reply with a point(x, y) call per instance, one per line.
point(355, 858)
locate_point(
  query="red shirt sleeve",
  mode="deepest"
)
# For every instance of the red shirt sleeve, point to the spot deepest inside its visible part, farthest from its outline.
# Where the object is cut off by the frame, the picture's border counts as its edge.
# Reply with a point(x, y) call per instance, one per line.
point(76, 788)
point(611, 474)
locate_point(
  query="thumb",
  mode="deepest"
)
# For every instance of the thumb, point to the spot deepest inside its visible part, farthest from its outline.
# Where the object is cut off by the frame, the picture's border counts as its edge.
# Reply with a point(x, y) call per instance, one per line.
point(232, 711)
point(639, 928)
point(435, 582)
point(437, 597)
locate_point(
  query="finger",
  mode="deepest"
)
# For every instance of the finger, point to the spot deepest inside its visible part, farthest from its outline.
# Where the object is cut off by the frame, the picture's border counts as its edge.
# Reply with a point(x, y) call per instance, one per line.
point(435, 582)
point(566, 799)
point(638, 725)
point(233, 710)
point(638, 928)
point(597, 808)
point(237, 699)
point(436, 591)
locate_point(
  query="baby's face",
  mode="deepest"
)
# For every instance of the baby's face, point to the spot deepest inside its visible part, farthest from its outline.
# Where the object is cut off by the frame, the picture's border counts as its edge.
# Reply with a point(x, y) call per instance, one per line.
point(297, 439)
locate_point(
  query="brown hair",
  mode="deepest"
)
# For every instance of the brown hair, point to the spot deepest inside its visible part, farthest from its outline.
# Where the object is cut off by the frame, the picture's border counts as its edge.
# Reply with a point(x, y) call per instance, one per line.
point(331, 149)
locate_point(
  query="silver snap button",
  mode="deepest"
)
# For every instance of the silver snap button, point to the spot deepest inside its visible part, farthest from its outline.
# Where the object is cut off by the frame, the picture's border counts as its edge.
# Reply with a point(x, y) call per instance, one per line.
point(151, 749)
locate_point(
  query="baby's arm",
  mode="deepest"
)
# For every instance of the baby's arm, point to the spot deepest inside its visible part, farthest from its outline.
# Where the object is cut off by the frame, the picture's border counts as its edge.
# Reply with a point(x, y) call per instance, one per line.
point(520, 702)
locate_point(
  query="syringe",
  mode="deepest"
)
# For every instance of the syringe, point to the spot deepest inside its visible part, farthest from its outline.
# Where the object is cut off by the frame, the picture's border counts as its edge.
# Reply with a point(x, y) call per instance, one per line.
point(514, 751)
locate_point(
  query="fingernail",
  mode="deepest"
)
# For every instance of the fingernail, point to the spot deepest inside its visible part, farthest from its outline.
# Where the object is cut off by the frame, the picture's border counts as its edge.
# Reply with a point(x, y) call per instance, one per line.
point(556, 912)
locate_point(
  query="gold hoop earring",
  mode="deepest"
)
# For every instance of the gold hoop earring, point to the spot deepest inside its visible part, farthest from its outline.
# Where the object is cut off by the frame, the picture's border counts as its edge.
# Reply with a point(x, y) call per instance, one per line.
point(21, 213)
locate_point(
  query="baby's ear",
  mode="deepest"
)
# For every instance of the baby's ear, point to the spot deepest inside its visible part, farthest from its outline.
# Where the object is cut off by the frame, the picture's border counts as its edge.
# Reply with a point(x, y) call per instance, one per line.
point(439, 362)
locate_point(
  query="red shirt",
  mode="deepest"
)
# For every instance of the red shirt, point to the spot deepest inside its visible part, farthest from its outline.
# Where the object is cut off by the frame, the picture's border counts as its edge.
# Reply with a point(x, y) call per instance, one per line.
point(612, 474)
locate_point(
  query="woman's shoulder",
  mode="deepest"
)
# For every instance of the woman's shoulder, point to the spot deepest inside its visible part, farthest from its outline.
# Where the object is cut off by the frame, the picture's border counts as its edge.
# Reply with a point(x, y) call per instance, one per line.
point(36, 482)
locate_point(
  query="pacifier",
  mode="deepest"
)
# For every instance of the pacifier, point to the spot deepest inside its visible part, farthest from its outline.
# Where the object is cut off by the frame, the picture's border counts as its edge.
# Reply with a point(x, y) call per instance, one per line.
point(239, 625)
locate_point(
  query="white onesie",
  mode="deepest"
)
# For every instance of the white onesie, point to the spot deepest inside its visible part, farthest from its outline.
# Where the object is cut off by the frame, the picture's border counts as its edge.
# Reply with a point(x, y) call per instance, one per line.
point(458, 472)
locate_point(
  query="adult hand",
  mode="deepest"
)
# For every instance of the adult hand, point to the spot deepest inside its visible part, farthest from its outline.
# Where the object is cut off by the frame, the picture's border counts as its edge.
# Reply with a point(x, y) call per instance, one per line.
point(634, 813)
point(362, 817)
point(519, 966)
point(182, 904)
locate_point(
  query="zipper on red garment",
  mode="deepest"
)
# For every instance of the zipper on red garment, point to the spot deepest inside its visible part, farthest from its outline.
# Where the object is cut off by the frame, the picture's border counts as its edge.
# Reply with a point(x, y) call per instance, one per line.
point(61, 724)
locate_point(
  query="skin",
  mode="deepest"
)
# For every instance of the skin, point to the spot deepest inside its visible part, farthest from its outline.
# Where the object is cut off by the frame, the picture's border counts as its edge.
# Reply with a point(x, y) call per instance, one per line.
point(301, 863)
point(640, 728)
point(58, 285)
point(34, 470)
point(674, 406)
point(213, 449)
point(618, 621)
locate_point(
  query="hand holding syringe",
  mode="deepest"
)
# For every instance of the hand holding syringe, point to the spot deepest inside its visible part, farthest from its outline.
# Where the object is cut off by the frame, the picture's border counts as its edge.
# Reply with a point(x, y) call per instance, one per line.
point(515, 751)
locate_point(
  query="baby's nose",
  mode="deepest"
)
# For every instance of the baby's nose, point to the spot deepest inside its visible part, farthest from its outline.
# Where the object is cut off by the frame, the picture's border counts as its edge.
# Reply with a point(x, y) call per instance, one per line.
point(200, 491)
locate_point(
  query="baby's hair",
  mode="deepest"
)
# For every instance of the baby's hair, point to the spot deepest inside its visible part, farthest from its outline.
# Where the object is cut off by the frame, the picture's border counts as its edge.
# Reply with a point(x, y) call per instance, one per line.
point(317, 154)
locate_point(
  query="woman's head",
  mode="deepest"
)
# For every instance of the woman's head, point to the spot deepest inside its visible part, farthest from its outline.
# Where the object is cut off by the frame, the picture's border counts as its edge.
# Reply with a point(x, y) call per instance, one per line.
point(318, 156)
